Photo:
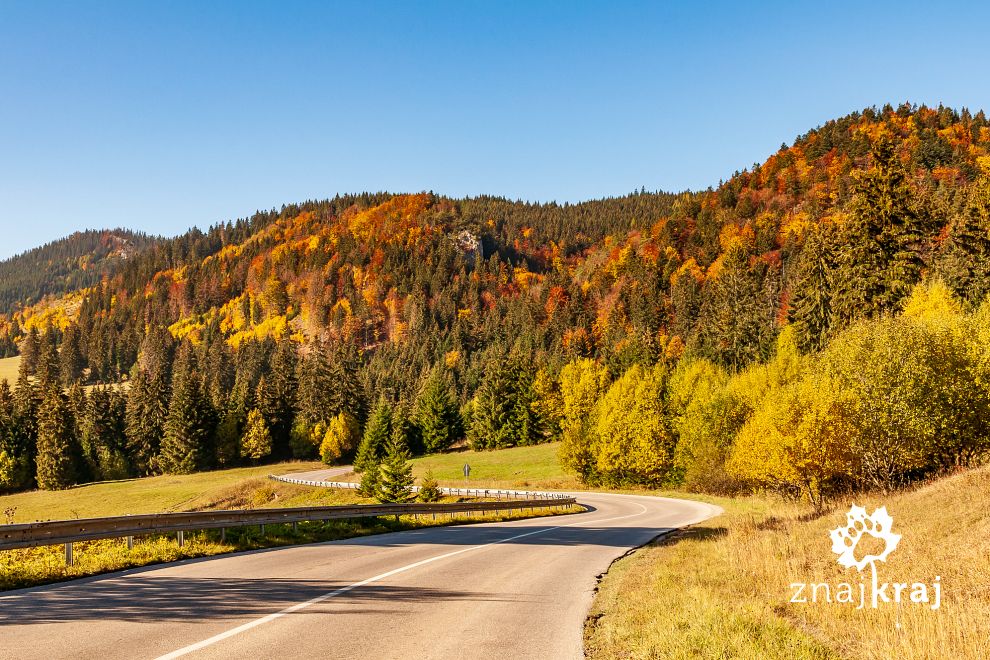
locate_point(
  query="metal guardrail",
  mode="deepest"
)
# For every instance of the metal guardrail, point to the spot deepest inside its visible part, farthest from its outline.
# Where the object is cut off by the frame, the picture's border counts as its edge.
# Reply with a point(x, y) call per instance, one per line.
point(461, 492)
point(27, 535)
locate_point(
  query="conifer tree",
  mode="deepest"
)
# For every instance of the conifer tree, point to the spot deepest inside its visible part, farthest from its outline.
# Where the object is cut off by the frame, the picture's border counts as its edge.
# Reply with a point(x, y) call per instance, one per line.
point(429, 490)
point(965, 258)
point(49, 366)
point(437, 415)
point(186, 445)
point(811, 303)
point(881, 259)
point(56, 456)
point(376, 436)
point(71, 357)
point(29, 350)
point(369, 480)
point(257, 441)
point(395, 478)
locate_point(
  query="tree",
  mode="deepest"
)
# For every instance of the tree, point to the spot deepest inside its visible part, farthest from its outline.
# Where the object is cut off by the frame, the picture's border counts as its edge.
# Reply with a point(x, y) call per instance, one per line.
point(882, 256)
point(632, 441)
point(71, 358)
point(186, 445)
point(582, 383)
point(395, 478)
point(49, 366)
point(429, 490)
point(257, 441)
point(965, 257)
point(29, 350)
point(369, 480)
point(340, 439)
point(377, 433)
point(56, 455)
point(811, 304)
point(436, 414)
point(102, 435)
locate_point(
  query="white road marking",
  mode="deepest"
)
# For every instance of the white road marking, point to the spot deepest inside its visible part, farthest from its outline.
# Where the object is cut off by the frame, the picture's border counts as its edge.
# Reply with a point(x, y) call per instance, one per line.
point(343, 590)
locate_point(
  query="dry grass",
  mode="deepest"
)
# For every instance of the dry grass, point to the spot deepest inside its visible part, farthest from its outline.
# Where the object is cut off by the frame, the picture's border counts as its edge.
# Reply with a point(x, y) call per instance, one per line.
point(721, 589)
point(8, 369)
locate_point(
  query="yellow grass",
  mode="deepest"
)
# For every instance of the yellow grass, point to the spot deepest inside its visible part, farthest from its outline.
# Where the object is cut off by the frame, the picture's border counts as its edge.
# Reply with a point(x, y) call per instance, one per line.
point(8, 369)
point(721, 589)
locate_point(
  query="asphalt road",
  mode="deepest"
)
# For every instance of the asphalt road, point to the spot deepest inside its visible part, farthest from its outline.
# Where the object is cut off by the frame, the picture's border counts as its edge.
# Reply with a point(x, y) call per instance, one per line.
point(502, 590)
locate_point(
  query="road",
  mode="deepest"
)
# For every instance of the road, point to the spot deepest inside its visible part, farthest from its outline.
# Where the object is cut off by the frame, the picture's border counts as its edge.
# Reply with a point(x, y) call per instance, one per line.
point(502, 590)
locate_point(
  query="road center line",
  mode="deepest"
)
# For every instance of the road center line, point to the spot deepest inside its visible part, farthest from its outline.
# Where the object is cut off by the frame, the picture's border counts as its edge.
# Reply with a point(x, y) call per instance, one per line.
point(343, 590)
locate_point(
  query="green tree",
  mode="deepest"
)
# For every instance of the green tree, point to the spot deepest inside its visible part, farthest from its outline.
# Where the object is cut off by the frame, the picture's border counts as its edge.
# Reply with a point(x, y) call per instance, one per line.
point(56, 455)
point(881, 260)
point(186, 445)
point(377, 433)
point(395, 478)
point(340, 439)
point(811, 304)
point(257, 441)
point(437, 414)
point(429, 490)
point(71, 358)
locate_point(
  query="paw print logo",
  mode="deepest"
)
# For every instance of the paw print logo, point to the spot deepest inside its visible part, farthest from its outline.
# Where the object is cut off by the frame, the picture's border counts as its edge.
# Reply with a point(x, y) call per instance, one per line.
point(845, 539)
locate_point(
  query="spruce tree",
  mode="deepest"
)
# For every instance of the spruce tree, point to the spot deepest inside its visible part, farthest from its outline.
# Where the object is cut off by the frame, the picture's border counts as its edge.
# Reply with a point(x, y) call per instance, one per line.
point(395, 478)
point(429, 490)
point(437, 416)
point(29, 350)
point(56, 456)
point(811, 302)
point(881, 259)
point(71, 358)
point(376, 436)
point(186, 445)
point(49, 367)
point(369, 480)
point(965, 258)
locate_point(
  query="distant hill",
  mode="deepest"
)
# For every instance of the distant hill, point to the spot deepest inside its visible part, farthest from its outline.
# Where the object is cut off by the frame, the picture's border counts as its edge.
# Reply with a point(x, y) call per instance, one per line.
point(838, 224)
point(68, 264)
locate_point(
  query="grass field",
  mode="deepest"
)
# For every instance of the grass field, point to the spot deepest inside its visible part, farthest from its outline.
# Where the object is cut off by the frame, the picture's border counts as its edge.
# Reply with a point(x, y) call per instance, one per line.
point(203, 490)
point(520, 467)
point(721, 589)
point(8, 369)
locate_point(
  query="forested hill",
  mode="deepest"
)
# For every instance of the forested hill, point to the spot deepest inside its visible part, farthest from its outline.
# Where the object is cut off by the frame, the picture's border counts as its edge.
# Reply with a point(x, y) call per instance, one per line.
point(68, 264)
point(373, 295)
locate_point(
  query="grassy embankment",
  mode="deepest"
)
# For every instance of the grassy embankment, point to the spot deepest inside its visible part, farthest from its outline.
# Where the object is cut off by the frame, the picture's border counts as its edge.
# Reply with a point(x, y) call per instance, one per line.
point(240, 488)
point(720, 589)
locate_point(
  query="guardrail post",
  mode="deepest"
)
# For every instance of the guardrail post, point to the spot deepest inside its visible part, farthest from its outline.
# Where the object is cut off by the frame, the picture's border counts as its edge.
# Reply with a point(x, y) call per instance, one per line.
point(130, 542)
point(223, 534)
point(68, 554)
point(295, 527)
point(181, 536)
point(262, 530)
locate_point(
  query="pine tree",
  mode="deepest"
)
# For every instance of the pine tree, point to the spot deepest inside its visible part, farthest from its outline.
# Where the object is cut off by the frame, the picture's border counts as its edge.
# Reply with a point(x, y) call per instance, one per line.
point(965, 259)
point(56, 456)
point(377, 432)
point(29, 350)
point(369, 480)
point(102, 435)
point(437, 415)
point(186, 445)
point(395, 478)
point(429, 490)
point(811, 304)
point(49, 366)
point(257, 441)
point(145, 417)
point(71, 358)
point(881, 259)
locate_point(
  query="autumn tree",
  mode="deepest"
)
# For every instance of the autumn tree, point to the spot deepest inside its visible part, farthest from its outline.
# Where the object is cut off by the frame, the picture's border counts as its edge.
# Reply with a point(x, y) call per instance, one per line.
point(257, 441)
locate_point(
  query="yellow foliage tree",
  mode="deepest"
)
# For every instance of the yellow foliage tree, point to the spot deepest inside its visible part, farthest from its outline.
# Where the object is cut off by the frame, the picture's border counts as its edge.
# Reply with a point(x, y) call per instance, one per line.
point(341, 438)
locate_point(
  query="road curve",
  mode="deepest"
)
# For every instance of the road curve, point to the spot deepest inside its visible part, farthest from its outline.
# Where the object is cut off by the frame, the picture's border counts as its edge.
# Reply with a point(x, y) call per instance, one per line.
point(501, 590)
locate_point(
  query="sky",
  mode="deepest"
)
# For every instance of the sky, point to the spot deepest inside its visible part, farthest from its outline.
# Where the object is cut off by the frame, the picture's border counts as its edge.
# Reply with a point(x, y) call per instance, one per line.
point(160, 116)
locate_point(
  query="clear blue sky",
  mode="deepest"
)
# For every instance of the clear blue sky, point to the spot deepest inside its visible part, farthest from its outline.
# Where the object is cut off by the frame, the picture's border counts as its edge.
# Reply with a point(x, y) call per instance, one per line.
point(163, 115)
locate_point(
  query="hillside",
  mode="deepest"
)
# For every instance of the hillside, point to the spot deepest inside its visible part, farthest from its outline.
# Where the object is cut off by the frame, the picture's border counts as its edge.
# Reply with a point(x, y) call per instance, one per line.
point(69, 264)
point(733, 575)
point(332, 316)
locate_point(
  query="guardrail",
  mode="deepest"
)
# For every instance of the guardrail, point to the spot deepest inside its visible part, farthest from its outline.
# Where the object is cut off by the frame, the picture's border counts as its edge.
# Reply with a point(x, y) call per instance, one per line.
point(55, 532)
point(461, 492)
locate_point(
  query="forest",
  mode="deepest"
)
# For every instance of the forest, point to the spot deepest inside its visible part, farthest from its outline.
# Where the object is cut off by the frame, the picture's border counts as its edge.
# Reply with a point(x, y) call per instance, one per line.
point(812, 324)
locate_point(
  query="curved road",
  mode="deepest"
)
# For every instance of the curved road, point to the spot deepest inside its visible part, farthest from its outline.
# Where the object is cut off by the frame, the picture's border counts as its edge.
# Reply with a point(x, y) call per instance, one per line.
point(501, 590)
